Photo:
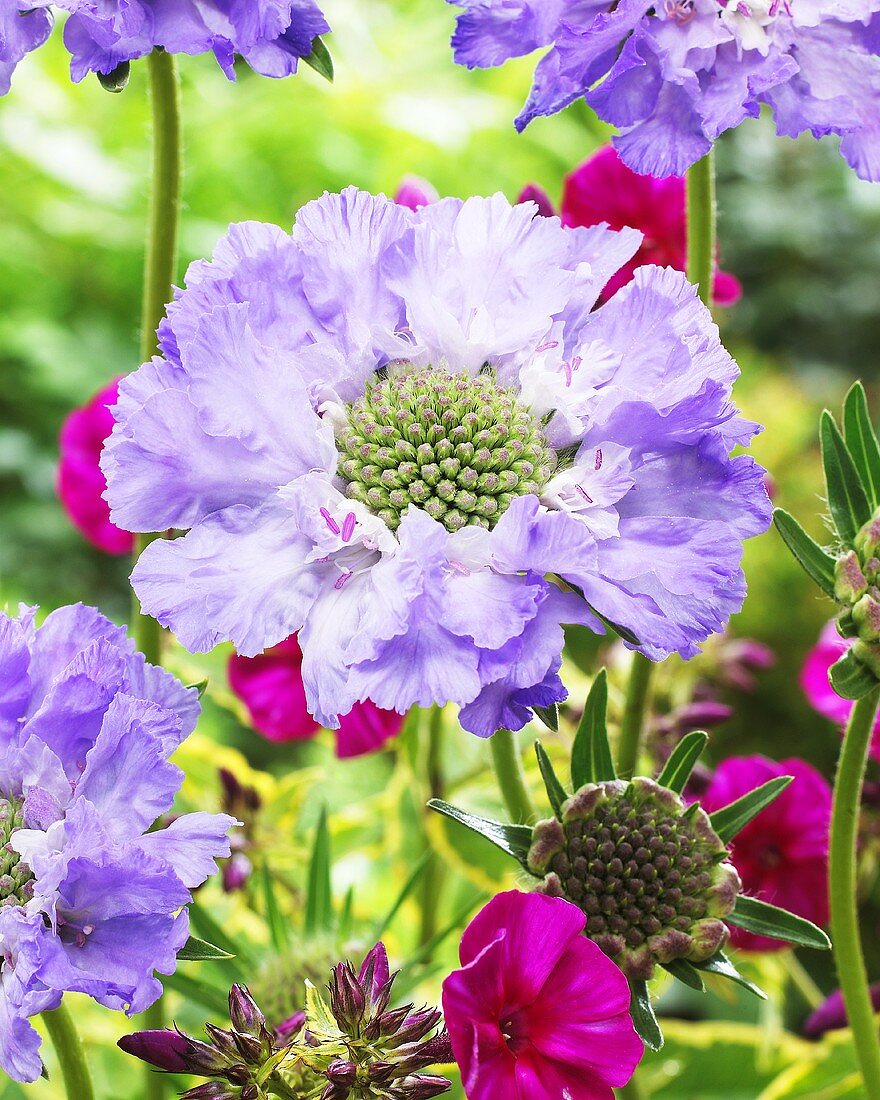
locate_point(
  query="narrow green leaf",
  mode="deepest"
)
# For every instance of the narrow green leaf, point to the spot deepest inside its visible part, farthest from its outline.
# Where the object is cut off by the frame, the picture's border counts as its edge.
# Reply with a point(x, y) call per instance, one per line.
point(549, 716)
point(643, 1018)
point(591, 760)
point(195, 950)
point(209, 929)
point(346, 917)
point(767, 920)
point(116, 80)
point(685, 972)
point(279, 932)
point(320, 60)
point(847, 500)
point(722, 966)
point(203, 993)
point(515, 840)
point(319, 894)
point(413, 877)
point(728, 821)
point(850, 678)
point(861, 440)
point(812, 558)
point(555, 790)
point(681, 761)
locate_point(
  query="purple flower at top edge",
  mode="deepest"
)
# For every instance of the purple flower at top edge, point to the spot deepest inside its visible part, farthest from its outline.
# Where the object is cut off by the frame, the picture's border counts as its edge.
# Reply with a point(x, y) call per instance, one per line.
point(816, 686)
point(673, 75)
point(271, 35)
point(90, 901)
point(391, 430)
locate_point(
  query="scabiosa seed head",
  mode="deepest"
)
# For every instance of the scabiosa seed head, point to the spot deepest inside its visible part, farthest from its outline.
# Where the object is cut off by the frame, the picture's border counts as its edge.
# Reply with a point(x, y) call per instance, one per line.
point(650, 874)
point(16, 879)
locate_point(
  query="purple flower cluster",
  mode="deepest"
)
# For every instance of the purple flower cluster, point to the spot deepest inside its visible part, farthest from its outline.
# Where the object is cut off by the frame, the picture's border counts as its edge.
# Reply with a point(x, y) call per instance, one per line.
point(391, 430)
point(673, 75)
point(271, 35)
point(90, 901)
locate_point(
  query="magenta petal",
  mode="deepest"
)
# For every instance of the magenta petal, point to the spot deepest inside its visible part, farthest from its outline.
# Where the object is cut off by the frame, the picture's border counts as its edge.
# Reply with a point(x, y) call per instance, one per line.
point(271, 687)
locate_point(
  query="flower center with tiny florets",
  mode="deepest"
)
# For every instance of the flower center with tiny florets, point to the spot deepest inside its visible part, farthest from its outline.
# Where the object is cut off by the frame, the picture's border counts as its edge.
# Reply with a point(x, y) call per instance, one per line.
point(649, 873)
point(459, 447)
point(16, 880)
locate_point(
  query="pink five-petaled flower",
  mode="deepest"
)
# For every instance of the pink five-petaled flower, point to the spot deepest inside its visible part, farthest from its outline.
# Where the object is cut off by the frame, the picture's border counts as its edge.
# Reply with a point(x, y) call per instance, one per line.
point(80, 482)
point(814, 680)
point(271, 687)
point(782, 855)
point(537, 1011)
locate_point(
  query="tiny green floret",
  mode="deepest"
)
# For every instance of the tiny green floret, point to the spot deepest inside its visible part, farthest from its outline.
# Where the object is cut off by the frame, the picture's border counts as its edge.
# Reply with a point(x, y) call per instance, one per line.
point(16, 880)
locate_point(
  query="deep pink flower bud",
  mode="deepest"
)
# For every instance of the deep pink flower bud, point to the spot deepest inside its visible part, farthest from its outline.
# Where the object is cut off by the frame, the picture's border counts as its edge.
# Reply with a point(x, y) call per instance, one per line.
point(375, 973)
point(347, 999)
point(290, 1027)
point(831, 1014)
point(244, 1013)
point(172, 1051)
point(415, 193)
point(424, 1086)
point(820, 694)
point(533, 193)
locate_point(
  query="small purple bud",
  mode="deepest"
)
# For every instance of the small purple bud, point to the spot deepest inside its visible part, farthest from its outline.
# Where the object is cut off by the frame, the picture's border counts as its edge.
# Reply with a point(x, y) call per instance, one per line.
point(342, 1073)
point(347, 1000)
point(831, 1014)
point(164, 1049)
point(244, 1012)
point(415, 193)
point(702, 714)
point(236, 871)
point(533, 193)
point(212, 1090)
point(290, 1027)
point(374, 973)
point(424, 1086)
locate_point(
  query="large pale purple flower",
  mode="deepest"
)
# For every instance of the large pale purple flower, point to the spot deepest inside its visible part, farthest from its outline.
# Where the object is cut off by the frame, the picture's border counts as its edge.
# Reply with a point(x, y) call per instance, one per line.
point(90, 902)
point(393, 431)
point(673, 75)
point(271, 35)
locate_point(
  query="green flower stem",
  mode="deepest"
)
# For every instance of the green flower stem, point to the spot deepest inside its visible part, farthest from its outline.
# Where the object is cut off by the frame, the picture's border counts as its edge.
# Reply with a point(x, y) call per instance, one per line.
point(842, 888)
point(632, 725)
point(71, 1054)
point(701, 225)
point(435, 871)
point(507, 763)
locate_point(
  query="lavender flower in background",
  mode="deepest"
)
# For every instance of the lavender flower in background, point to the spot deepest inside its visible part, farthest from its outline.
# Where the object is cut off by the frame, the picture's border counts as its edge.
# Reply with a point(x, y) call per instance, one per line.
point(90, 901)
point(673, 76)
point(389, 430)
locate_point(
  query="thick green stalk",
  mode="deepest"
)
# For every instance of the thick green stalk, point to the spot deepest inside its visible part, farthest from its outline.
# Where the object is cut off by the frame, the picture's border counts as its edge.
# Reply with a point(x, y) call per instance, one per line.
point(511, 778)
point(71, 1055)
point(632, 724)
point(435, 870)
point(842, 887)
point(701, 225)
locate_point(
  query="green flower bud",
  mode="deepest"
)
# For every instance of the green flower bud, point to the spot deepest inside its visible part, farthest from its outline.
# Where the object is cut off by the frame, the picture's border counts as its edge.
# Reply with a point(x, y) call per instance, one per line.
point(16, 880)
point(850, 583)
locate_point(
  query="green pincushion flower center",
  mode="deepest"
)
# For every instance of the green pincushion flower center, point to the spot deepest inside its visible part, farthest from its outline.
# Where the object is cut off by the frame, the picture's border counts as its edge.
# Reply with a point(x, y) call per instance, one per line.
point(459, 447)
point(16, 880)
point(649, 873)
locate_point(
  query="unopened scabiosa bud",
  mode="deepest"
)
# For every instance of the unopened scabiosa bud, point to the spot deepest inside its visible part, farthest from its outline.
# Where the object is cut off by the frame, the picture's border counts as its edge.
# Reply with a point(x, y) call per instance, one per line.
point(650, 873)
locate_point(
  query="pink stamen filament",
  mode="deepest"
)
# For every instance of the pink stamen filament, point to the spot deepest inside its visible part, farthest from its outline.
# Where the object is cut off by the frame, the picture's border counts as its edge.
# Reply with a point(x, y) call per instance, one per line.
point(598, 463)
point(330, 521)
point(348, 526)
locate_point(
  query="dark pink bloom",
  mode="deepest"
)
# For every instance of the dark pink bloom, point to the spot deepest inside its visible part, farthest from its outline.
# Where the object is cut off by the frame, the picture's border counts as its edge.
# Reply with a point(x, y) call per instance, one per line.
point(537, 1011)
point(272, 689)
point(415, 193)
point(814, 680)
point(80, 482)
point(603, 189)
point(782, 855)
point(533, 193)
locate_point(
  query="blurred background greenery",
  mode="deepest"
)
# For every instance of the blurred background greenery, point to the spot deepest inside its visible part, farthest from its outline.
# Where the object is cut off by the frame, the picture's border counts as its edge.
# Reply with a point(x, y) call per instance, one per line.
point(796, 226)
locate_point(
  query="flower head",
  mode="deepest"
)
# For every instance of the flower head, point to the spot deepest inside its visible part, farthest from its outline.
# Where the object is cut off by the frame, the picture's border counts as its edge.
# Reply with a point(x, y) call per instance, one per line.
point(81, 484)
point(829, 648)
point(103, 36)
point(674, 75)
point(271, 686)
point(90, 901)
point(781, 856)
point(391, 430)
point(537, 1011)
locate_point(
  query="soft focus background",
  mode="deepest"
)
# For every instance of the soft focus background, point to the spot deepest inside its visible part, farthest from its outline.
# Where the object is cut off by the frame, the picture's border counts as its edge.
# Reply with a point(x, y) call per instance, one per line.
point(796, 226)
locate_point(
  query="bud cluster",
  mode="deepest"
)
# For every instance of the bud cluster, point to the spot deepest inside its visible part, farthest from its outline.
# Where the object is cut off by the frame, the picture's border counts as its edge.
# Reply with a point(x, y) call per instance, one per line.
point(459, 447)
point(649, 872)
point(16, 880)
point(857, 587)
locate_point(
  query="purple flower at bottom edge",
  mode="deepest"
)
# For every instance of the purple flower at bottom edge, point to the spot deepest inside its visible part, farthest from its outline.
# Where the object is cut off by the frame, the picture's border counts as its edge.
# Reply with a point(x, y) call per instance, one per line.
point(90, 902)
point(294, 430)
point(672, 76)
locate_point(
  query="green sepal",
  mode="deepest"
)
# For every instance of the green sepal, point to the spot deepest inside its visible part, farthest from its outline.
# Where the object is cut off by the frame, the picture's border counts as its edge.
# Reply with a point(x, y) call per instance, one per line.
point(319, 894)
point(722, 966)
point(815, 562)
point(850, 678)
point(728, 821)
point(116, 80)
point(763, 919)
point(591, 759)
point(861, 441)
point(549, 716)
point(196, 950)
point(847, 499)
point(555, 791)
point(686, 973)
point(279, 930)
point(643, 1017)
point(320, 60)
point(514, 840)
point(682, 759)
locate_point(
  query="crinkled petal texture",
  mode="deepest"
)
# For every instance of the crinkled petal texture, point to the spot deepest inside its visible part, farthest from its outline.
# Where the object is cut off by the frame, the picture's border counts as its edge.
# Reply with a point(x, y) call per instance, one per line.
point(87, 727)
point(237, 437)
point(781, 856)
point(827, 651)
point(538, 1010)
point(672, 77)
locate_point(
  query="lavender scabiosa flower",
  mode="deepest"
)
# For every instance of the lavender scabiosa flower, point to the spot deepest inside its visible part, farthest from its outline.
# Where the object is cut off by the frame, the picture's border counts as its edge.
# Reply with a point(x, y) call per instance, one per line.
point(90, 901)
point(391, 430)
point(674, 75)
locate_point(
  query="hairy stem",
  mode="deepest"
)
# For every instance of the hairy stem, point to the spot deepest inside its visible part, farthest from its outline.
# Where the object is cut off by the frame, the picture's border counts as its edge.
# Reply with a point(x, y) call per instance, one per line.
point(632, 725)
point(71, 1055)
point(507, 762)
point(701, 225)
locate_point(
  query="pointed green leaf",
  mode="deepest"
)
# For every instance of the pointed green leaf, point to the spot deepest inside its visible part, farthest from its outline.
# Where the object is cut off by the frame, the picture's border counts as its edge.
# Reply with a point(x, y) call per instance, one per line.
point(200, 992)
point(201, 687)
point(346, 917)
point(319, 895)
point(767, 920)
point(195, 950)
point(549, 716)
point(413, 877)
point(279, 930)
point(722, 966)
point(515, 840)
point(209, 929)
point(861, 440)
point(685, 972)
point(681, 761)
point(320, 60)
point(555, 790)
point(846, 494)
point(812, 558)
point(728, 821)
point(643, 1018)
point(116, 80)
point(591, 760)
point(850, 678)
